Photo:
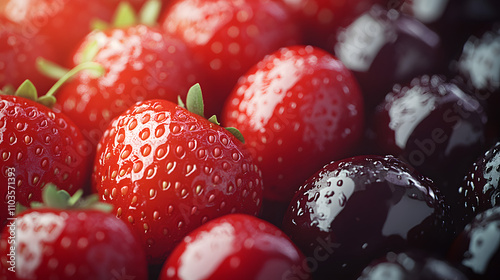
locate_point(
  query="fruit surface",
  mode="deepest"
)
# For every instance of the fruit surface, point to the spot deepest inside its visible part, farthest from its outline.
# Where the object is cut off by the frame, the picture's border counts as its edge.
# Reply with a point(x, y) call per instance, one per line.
point(357, 209)
point(298, 109)
point(435, 126)
point(38, 146)
point(140, 63)
point(477, 248)
point(63, 244)
point(235, 246)
point(167, 171)
point(228, 37)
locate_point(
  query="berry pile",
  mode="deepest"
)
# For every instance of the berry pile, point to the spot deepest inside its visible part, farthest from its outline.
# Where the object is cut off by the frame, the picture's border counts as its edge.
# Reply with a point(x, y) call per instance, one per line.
point(355, 139)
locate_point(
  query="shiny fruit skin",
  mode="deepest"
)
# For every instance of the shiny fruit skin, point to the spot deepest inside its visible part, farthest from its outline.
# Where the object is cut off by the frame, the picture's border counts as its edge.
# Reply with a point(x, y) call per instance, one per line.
point(140, 63)
point(235, 246)
point(356, 209)
point(299, 108)
point(480, 189)
point(72, 244)
point(39, 146)
point(435, 126)
point(227, 38)
point(384, 47)
point(411, 265)
point(167, 171)
point(477, 248)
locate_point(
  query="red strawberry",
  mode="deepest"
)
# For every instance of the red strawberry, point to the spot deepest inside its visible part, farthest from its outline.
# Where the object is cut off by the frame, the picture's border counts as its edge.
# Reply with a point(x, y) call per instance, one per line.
point(299, 108)
point(62, 23)
point(38, 146)
point(235, 246)
point(228, 37)
point(140, 63)
point(167, 171)
point(18, 54)
point(62, 241)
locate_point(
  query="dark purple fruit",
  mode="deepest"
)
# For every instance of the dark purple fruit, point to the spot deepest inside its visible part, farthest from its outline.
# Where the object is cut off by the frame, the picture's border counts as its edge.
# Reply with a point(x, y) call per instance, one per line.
point(411, 265)
point(477, 248)
point(481, 187)
point(384, 47)
point(433, 125)
point(356, 209)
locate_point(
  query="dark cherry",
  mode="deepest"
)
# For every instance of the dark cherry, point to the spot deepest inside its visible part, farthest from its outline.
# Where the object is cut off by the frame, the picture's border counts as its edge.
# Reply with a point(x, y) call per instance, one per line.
point(480, 190)
point(477, 248)
point(356, 209)
point(411, 265)
point(478, 68)
point(435, 126)
point(383, 47)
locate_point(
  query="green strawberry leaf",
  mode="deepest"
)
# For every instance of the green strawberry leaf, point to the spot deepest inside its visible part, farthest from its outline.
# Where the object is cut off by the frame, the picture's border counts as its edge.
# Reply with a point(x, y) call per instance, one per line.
point(125, 15)
point(98, 24)
point(27, 90)
point(234, 131)
point(50, 69)
point(150, 12)
point(90, 51)
point(194, 100)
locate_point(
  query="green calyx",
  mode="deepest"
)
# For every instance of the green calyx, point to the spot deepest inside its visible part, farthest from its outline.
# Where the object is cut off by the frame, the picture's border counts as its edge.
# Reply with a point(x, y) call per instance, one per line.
point(28, 90)
point(194, 104)
point(54, 198)
point(126, 16)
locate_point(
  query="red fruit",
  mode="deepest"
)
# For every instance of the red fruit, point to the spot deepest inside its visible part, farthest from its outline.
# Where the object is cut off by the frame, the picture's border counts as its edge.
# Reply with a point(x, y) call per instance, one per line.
point(299, 108)
point(140, 63)
point(320, 20)
point(228, 37)
point(61, 23)
point(235, 246)
point(167, 171)
point(356, 209)
point(53, 243)
point(38, 146)
point(383, 47)
point(18, 54)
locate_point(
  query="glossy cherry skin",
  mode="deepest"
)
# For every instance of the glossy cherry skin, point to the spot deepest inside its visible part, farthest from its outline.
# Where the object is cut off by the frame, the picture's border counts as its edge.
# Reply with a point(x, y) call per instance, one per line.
point(235, 246)
point(356, 209)
point(435, 126)
point(478, 68)
point(481, 187)
point(477, 248)
point(411, 265)
point(298, 109)
point(385, 47)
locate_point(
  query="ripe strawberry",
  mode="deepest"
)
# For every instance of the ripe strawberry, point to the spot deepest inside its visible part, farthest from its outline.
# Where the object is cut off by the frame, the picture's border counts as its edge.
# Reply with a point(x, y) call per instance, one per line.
point(61, 23)
point(167, 170)
point(38, 146)
point(228, 37)
point(18, 55)
point(140, 63)
point(64, 239)
point(299, 108)
point(235, 246)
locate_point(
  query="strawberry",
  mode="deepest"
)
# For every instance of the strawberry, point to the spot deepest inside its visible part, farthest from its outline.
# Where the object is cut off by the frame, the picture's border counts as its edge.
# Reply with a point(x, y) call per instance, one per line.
point(232, 247)
point(140, 63)
point(299, 108)
point(38, 146)
point(167, 170)
point(70, 238)
point(228, 37)
point(61, 23)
